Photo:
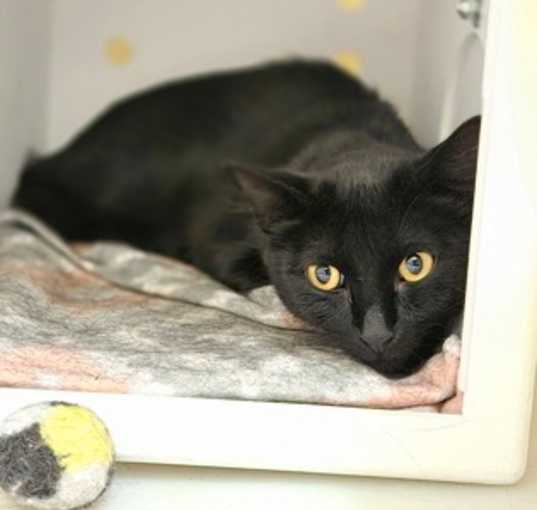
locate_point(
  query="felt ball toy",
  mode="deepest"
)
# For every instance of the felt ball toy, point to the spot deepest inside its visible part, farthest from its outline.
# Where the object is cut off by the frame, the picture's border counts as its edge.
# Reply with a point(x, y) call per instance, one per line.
point(55, 455)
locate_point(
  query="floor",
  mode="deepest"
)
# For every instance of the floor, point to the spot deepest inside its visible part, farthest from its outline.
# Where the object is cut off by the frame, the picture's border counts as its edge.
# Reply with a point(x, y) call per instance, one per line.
point(138, 487)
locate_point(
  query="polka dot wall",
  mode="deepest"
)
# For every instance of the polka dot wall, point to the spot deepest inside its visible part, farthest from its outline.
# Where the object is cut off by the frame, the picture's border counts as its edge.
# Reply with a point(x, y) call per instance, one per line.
point(118, 51)
point(107, 50)
point(351, 5)
point(350, 59)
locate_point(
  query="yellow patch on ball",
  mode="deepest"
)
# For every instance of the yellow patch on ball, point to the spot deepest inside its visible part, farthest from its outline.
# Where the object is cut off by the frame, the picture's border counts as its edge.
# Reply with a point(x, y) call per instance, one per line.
point(351, 5)
point(349, 61)
point(77, 437)
point(118, 51)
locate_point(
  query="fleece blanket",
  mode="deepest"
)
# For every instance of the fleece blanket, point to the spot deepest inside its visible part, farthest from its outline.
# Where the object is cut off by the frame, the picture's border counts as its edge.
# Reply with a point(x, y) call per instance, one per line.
point(105, 317)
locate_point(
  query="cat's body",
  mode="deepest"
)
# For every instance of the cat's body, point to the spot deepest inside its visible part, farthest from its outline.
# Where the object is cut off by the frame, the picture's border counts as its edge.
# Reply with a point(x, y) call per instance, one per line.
point(153, 170)
point(255, 175)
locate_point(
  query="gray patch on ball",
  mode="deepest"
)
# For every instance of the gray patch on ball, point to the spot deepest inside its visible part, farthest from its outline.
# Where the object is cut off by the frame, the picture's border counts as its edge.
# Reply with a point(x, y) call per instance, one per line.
point(28, 467)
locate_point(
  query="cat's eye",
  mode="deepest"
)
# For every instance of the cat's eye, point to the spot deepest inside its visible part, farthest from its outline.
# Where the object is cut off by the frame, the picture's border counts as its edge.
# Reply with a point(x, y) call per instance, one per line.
point(325, 278)
point(416, 267)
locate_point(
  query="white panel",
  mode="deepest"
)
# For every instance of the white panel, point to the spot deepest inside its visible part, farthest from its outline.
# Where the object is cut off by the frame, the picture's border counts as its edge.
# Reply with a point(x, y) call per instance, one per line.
point(172, 38)
point(24, 26)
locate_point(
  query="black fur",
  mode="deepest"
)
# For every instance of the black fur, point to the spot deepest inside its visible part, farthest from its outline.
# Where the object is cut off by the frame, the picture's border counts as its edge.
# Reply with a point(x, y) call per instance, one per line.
point(252, 175)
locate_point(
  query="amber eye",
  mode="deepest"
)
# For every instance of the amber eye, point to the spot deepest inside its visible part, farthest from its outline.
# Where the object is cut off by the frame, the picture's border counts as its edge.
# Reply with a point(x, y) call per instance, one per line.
point(416, 267)
point(325, 278)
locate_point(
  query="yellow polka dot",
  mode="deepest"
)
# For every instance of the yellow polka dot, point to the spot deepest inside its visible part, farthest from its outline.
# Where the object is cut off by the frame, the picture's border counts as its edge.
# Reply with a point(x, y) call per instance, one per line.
point(351, 5)
point(77, 437)
point(350, 61)
point(118, 50)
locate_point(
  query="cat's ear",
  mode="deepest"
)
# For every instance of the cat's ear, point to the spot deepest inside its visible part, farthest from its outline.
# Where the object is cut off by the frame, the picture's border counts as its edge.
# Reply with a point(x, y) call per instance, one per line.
point(453, 163)
point(275, 197)
point(448, 172)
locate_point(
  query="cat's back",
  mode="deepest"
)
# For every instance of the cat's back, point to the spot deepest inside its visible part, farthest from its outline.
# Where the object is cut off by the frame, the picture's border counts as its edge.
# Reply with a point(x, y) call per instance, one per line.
point(236, 111)
point(262, 114)
point(157, 153)
point(251, 113)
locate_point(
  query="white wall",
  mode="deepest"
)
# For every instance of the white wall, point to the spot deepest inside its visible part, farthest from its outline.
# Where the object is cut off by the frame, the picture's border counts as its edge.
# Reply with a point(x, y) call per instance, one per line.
point(24, 30)
point(448, 73)
point(171, 38)
point(56, 74)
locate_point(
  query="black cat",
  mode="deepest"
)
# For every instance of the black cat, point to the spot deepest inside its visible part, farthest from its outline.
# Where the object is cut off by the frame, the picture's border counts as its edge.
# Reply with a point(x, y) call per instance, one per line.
point(293, 174)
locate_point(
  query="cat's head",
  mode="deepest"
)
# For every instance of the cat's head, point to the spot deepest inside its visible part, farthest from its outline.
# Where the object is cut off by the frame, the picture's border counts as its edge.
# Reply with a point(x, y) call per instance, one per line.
point(372, 248)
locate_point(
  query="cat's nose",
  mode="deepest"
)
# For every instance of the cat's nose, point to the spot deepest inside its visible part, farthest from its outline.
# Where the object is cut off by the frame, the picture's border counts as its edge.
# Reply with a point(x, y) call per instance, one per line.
point(377, 342)
point(374, 331)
